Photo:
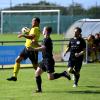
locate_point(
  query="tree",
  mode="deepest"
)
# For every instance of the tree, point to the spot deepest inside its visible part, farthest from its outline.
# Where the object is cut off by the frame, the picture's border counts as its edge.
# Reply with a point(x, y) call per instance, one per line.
point(94, 11)
point(76, 9)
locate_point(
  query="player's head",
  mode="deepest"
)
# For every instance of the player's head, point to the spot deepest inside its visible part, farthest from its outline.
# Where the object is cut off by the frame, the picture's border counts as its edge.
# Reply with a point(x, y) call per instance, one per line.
point(77, 32)
point(35, 21)
point(47, 31)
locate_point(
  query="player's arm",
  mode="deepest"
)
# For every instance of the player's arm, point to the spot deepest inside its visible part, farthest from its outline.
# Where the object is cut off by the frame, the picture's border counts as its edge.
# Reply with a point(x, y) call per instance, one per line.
point(68, 47)
point(30, 36)
point(80, 53)
point(67, 50)
point(40, 48)
point(84, 48)
point(35, 42)
point(83, 51)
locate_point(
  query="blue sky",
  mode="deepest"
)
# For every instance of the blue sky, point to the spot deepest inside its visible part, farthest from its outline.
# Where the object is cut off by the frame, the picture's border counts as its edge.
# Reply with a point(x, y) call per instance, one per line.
point(85, 3)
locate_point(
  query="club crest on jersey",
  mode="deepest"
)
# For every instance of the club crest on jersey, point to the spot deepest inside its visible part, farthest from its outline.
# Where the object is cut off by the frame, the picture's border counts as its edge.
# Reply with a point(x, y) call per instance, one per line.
point(78, 42)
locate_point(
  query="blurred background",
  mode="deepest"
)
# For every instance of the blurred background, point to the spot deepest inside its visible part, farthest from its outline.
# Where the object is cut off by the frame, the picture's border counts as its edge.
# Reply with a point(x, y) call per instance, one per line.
point(62, 15)
point(70, 11)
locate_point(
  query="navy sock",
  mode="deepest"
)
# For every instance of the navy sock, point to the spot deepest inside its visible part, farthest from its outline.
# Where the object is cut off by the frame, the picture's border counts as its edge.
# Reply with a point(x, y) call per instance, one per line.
point(73, 72)
point(58, 75)
point(39, 82)
point(76, 79)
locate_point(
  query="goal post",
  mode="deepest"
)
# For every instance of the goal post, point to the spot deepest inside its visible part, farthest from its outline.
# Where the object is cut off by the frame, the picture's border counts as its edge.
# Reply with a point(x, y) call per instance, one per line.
point(9, 16)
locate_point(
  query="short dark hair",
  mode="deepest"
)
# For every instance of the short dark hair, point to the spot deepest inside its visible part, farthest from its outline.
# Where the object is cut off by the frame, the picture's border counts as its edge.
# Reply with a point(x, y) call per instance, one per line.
point(49, 29)
point(37, 19)
point(79, 29)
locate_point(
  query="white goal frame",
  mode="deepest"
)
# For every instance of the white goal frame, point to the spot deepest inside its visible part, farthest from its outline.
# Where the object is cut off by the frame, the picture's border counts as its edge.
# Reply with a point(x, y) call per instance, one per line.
point(31, 11)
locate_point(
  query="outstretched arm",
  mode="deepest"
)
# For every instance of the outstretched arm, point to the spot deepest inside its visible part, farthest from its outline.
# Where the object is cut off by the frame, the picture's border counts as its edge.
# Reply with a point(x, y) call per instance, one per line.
point(26, 36)
point(66, 51)
point(40, 48)
point(80, 53)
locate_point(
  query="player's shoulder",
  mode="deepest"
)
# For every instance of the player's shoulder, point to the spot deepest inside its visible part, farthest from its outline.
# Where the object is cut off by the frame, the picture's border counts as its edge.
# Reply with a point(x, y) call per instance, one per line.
point(35, 28)
point(72, 39)
point(82, 39)
point(47, 40)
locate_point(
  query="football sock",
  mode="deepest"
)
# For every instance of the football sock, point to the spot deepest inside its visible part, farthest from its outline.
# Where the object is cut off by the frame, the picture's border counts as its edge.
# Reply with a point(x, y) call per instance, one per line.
point(73, 72)
point(16, 69)
point(76, 79)
point(39, 82)
point(57, 75)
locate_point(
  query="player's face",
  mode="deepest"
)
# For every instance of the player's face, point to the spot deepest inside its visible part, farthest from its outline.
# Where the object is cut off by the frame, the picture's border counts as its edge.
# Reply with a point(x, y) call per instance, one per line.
point(45, 32)
point(76, 33)
point(34, 22)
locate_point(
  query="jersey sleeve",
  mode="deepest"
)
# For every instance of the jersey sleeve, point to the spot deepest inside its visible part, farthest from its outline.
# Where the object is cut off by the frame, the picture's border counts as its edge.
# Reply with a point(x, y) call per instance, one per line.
point(36, 33)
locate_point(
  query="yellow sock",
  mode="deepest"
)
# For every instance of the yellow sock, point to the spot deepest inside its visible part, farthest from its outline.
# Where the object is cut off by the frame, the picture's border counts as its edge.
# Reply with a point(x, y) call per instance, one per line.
point(16, 69)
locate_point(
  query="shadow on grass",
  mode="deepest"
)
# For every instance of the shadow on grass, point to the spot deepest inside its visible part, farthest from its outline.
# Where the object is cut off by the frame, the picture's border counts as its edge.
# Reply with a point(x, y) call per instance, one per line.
point(75, 92)
point(93, 86)
point(90, 91)
point(84, 92)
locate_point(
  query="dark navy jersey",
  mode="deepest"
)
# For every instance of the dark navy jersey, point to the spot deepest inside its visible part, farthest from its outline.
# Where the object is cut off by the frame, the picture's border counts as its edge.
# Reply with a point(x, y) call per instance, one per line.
point(47, 42)
point(76, 45)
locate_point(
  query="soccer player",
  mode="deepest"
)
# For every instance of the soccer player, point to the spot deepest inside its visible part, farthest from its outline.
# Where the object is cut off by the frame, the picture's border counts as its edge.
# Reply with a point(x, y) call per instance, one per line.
point(76, 48)
point(47, 64)
point(34, 34)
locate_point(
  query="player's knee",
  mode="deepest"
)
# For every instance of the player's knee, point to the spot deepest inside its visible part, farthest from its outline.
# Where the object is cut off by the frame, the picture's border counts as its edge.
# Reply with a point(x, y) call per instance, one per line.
point(38, 72)
point(18, 59)
point(50, 77)
point(70, 70)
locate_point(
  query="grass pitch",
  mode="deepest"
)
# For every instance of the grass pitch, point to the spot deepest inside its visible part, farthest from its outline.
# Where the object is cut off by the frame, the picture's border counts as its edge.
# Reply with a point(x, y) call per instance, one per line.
point(61, 89)
point(13, 37)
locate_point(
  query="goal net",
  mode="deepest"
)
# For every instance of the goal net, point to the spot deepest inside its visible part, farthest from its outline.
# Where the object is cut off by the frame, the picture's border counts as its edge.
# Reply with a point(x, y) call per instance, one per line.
point(13, 20)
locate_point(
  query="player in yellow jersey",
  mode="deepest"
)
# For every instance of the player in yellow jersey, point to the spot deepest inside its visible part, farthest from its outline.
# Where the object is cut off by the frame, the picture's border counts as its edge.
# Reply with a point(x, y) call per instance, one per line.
point(33, 36)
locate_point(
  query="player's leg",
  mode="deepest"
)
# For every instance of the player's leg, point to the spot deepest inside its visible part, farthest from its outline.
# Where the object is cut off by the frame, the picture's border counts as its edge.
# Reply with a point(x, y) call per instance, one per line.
point(71, 65)
point(53, 76)
point(77, 72)
point(38, 73)
point(16, 69)
point(17, 66)
point(49, 64)
point(22, 56)
point(33, 56)
point(76, 79)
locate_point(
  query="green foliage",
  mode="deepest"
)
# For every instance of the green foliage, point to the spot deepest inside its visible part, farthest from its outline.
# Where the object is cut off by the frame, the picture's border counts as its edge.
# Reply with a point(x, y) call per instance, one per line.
point(73, 9)
point(61, 89)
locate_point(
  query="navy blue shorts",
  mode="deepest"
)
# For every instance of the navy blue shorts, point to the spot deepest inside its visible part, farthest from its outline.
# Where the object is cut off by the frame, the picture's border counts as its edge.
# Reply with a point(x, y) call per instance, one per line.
point(47, 65)
point(76, 64)
point(32, 55)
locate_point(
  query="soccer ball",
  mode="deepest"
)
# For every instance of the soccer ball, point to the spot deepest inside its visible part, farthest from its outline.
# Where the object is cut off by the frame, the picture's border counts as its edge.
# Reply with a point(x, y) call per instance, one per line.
point(25, 30)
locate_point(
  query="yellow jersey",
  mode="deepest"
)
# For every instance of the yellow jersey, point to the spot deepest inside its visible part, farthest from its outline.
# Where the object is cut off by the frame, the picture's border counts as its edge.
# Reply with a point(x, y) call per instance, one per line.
point(36, 32)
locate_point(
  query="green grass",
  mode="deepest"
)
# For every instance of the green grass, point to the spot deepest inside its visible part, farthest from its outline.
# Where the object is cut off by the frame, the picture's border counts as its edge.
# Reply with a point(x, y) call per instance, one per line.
point(61, 89)
point(13, 37)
